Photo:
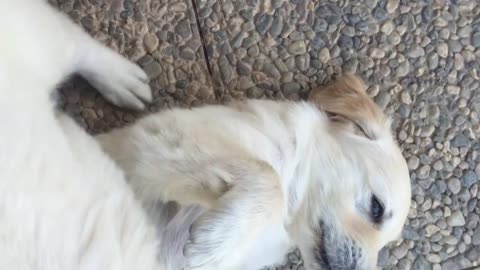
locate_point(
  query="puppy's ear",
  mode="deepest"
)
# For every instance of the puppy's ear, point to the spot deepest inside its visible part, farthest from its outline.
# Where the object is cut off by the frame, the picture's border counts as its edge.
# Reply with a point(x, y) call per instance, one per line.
point(349, 107)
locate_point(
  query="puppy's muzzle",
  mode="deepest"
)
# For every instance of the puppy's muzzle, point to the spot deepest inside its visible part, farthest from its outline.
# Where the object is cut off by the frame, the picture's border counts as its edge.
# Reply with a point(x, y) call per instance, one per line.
point(334, 251)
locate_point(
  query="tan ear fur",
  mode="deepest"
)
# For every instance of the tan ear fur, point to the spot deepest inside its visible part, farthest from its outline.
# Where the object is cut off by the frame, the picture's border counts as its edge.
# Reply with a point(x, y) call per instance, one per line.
point(347, 97)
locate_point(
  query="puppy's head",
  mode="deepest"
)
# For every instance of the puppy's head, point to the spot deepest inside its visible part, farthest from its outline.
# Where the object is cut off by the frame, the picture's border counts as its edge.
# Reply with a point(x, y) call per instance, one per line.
point(359, 197)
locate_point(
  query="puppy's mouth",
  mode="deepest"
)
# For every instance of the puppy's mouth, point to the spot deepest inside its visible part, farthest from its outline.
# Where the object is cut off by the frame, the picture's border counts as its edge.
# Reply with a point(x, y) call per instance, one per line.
point(334, 252)
point(320, 252)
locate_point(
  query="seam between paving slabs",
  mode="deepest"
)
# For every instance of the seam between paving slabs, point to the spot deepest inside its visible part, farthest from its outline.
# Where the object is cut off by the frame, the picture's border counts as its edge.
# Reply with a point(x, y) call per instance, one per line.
point(204, 49)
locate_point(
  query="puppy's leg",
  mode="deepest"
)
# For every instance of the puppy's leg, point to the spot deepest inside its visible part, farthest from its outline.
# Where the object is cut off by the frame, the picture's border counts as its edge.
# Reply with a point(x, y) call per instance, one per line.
point(54, 47)
point(221, 237)
point(119, 80)
point(240, 195)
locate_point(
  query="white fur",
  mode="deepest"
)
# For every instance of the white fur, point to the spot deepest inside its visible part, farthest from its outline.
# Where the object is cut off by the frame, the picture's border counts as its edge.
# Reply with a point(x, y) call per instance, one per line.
point(63, 203)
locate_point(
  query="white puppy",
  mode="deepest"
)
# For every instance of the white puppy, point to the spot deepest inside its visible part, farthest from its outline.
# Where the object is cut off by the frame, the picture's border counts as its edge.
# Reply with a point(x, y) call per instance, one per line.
point(326, 176)
point(63, 203)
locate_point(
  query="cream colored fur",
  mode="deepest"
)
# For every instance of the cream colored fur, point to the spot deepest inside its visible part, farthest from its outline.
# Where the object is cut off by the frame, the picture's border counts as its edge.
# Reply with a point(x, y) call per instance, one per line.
point(252, 179)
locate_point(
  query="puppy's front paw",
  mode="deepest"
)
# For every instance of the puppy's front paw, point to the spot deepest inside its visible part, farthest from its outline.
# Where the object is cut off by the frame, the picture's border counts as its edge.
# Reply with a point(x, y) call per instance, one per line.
point(209, 243)
point(120, 81)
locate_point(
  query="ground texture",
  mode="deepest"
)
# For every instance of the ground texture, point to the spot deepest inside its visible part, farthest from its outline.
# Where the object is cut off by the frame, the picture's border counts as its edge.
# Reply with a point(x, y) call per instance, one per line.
point(421, 59)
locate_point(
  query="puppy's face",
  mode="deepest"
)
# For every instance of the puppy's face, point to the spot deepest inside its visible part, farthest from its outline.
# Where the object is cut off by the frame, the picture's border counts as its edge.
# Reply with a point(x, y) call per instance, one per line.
point(360, 201)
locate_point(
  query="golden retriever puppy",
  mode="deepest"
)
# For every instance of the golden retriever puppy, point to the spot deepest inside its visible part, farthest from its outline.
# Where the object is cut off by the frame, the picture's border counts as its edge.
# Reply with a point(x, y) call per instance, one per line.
point(325, 175)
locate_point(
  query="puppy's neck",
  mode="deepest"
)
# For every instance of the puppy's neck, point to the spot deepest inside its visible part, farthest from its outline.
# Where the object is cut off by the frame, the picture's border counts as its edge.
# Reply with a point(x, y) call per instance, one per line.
point(316, 149)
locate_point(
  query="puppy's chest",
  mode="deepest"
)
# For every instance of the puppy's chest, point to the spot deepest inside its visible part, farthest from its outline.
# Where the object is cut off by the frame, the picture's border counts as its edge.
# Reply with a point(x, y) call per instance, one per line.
point(281, 154)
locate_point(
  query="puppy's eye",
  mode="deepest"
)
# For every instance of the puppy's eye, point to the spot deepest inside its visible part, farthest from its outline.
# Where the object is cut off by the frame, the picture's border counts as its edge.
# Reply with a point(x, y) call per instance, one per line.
point(377, 210)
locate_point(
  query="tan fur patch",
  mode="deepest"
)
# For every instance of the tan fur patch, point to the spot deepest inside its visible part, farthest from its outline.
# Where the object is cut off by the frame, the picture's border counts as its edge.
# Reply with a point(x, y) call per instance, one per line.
point(347, 97)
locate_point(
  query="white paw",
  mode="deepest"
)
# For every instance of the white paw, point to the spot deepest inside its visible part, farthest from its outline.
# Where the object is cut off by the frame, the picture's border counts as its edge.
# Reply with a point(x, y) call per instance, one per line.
point(120, 81)
point(218, 240)
point(206, 246)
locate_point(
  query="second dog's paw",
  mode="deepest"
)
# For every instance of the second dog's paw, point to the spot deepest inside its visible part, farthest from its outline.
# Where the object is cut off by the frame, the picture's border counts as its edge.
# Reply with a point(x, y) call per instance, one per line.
point(120, 81)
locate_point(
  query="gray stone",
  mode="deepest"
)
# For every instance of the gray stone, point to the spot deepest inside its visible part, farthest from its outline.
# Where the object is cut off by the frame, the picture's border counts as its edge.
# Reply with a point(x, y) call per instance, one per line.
point(324, 55)
point(153, 69)
point(297, 36)
point(247, 14)
point(469, 178)
point(383, 255)
point(400, 251)
point(456, 219)
point(351, 65)
point(271, 71)
point(302, 62)
point(248, 42)
point(459, 62)
point(476, 237)
point(433, 258)
point(362, 26)
point(263, 22)
point(243, 69)
point(453, 90)
point(380, 14)
point(276, 27)
point(238, 39)
point(450, 265)
point(431, 229)
point(410, 234)
point(183, 29)
point(290, 88)
point(473, 254)
point(318, 42)
point(454, 185)
point(245, 83)
point(427, 13)
point(371, 3)
point(330, 12)
point(225, 69)
point(297, 47)
point(150, 41)
point(403, 69)
point(423, 173)
point(281, 65)
point(421, 263)
point(460, 141)
point(348, 31)
point(472, 221)
point(442, 50)
point(382, 99)
point(387, 27)
point(205, 12)
point(413, 162)
point(187, 53)
point(392, 6)
point(345, 42)
point(454, 46)
point(476, 40)
point(394, 38)
point(376, 53)
point(416, 51)
point(432, 60)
